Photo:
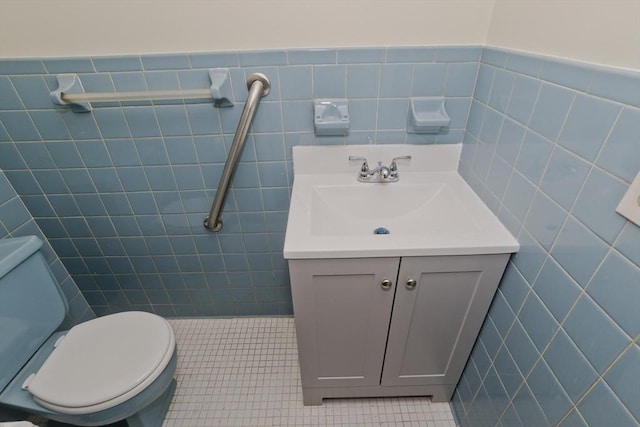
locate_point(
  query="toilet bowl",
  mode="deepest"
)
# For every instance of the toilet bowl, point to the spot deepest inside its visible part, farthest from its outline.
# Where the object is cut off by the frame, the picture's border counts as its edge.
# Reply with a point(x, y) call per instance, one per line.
point(104, 370)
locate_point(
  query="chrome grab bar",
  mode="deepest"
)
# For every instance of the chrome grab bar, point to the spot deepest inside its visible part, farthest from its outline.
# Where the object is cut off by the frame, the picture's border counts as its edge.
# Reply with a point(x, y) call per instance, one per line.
point(259, 86)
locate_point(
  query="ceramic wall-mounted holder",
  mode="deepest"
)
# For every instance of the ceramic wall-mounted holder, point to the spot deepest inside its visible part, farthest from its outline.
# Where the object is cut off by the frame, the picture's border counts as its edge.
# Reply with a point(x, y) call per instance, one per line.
point(427, 115)
point(331, 117)
point(221, 87)
point(69, 83)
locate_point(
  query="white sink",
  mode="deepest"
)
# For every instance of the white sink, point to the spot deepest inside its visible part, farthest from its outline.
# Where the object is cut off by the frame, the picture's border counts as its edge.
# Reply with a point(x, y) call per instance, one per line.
point(429, 211)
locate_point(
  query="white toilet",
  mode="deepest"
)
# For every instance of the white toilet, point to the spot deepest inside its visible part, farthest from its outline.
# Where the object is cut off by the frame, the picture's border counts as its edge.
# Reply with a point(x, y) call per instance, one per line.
point(111, 368)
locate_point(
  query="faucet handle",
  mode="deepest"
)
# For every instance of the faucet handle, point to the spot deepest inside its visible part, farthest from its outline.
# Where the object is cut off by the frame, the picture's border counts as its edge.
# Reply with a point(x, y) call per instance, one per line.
point(364, 169)
point(393, 166)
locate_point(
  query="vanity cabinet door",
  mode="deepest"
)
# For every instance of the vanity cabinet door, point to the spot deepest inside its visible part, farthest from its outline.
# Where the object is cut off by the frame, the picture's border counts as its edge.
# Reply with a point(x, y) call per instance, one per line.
point(342, 310)
point(436, 320)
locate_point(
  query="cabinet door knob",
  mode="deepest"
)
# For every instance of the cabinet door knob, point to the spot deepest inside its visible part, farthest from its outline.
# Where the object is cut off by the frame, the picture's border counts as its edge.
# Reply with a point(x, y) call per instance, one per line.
point(411, 283)
point(386, 284)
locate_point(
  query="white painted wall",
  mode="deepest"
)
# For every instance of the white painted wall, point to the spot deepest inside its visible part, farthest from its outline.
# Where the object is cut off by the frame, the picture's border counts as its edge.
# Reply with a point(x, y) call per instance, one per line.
point(599, 31)
point(45, 28)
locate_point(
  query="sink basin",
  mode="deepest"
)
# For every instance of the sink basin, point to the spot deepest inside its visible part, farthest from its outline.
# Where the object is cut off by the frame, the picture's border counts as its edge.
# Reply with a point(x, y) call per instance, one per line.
point(429, 211)
point(400, 208)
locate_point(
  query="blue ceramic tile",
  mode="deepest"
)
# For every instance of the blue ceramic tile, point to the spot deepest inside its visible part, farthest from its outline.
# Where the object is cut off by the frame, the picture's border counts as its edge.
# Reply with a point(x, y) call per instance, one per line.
point(567, 73)
point(50, 125)
point(621, 151)
point(82, 126)
point(188, 177)
point(484, 83)
point(64, 154)
point(493, 56)
point(523, 98)
point(579, 251)
point(587, 125)
point(117, 63)
point(268, 147)
point(152, 151)
point(90, 205)
point(168, 202)
point(162, 80)
point(165, 62)
point(363, 114)
point(363, 55)
point(392, 113)
point(13, 214)
point(9, 99)
point(623, 385)
point(428, 79)
point(100, 82)
point(259, 58)
point(410, 54)
point(595, 334)
point(181, 150)
point(210, 149)
point(524, 63)
point(133, 179)
point(268, 118)
point(129, 82)
point(491, 127)
point(521, 347)
point(78, 181)
point(556, 289)
point(533, 157)
point(551, 109)
point(501, 90)
point(627, 243)
point(33, 91)
point(544, 220)
point(458, 54)
point(311, 56)
point(76, 227)
point(597, 203)
point(126, 226)
point(329, 81)
point(142, 121)
point(507, 371)
point(116, 204)
point(38, 206)
point(93, 153)
point(451, 136)
point(510, 141)
point(69, 65)
point(518, 196)
point(214, 60)
point(528, 408)
point(142, 203)
point(461, 79)
point(252, 222)
point(501, 314)
point(498, 177)
point(530, 256)
point(194, 79)
point(458, 111)
point(105, 179)
point(537, 320)
point(297, 116)
point(615, 288)
point(34, 153)
point(112, 123)
point(21, 66)
point(173, 120)
point(395, 80)
point(362, 81)
point(203, 119)
point(273, 174)
point(549, 393)
point(123, 152)
point(23, 182)
point(602, 407)
point(564, 177)
point(514, 287)
point(295, 82)
point(19, 126)
point(617, 85)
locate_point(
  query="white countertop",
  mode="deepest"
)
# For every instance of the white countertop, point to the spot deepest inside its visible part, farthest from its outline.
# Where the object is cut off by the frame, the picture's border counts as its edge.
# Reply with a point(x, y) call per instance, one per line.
point(431, 210)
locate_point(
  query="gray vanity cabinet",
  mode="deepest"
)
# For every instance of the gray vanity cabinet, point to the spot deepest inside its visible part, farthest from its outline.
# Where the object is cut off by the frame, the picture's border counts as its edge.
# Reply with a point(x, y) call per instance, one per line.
point(389, 326)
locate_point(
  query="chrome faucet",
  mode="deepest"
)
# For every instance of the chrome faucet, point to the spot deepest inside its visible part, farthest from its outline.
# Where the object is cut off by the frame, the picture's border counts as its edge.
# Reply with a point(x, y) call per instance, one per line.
point(380, 173)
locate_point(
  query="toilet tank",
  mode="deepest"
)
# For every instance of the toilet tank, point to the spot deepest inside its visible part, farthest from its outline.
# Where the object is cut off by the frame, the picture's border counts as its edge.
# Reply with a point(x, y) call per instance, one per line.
point(32, 306)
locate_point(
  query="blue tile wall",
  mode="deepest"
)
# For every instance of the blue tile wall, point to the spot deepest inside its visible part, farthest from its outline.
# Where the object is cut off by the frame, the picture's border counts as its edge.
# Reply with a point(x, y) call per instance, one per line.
point(122, 192)
point(16, 221)
point(551, 146)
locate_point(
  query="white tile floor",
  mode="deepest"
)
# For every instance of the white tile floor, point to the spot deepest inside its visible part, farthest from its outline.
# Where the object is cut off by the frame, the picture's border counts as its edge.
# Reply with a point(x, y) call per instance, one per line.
point(244, 372)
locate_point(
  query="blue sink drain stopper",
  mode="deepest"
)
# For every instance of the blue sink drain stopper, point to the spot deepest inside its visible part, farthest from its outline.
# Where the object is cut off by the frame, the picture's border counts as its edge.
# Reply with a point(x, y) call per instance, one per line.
point(380, 230)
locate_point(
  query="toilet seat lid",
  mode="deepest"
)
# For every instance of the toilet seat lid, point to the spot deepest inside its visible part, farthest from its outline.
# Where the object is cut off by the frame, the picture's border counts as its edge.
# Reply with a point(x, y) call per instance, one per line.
point(104, 362)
